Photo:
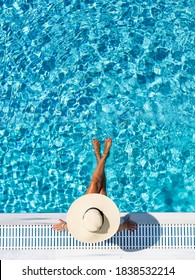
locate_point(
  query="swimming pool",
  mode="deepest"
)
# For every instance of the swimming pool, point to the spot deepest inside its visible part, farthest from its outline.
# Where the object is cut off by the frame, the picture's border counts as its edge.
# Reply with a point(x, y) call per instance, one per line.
point(75, 70)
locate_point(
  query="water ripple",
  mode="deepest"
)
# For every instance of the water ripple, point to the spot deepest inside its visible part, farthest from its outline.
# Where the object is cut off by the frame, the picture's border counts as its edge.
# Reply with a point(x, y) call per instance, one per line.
point(72, 71)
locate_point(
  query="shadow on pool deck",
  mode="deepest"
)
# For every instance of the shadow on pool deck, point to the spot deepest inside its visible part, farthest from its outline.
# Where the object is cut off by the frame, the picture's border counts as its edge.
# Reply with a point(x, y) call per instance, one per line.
point(146, 235)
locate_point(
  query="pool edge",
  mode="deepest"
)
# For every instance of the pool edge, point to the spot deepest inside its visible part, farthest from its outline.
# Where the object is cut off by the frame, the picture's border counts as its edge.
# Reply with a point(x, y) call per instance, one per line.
point(140, 218)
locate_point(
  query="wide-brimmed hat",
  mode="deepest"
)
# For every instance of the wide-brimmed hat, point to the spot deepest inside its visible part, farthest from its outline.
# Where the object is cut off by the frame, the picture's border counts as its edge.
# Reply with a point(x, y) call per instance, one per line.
point(93, 218)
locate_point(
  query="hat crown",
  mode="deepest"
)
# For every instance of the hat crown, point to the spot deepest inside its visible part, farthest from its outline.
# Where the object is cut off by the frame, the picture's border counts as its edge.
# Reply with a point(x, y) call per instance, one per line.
point(93, 220)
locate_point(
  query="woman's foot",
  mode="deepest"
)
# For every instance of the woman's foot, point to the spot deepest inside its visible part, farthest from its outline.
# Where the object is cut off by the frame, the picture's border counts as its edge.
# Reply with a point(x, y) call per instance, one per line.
point(96, 146)
point(107, 146)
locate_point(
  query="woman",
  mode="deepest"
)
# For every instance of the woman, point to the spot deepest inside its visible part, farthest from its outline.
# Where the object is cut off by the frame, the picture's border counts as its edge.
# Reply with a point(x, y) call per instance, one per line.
point(100, 218)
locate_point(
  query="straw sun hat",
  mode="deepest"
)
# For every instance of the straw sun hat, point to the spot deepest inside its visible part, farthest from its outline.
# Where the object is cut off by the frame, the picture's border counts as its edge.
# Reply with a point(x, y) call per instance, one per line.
point(93, 218)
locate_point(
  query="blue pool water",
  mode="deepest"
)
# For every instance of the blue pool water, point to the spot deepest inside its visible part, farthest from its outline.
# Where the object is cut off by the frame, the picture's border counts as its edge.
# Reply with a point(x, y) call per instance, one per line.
point(72, 70)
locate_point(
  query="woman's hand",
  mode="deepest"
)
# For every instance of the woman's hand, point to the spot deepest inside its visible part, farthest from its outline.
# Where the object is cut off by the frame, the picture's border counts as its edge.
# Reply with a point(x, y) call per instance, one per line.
point(60, 226)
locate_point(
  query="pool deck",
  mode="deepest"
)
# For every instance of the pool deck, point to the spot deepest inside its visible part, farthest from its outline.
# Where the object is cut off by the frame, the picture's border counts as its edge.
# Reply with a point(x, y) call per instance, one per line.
point(116, 253)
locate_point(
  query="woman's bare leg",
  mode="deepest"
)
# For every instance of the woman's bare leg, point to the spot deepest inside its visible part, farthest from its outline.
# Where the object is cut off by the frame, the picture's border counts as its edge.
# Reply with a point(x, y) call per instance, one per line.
point(98, 182)
point(96, 146)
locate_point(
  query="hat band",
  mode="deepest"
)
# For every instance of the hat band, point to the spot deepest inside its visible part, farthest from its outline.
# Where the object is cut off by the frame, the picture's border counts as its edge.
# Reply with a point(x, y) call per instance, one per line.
point(101, 213)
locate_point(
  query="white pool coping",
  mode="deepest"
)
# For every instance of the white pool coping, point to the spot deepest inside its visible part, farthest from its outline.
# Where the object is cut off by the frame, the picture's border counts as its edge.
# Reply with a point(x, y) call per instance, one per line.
point(140, 218)
point(52, 218)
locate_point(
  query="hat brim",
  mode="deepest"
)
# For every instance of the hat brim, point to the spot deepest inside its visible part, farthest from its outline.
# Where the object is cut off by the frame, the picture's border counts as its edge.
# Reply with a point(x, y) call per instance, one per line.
point(81, 205)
